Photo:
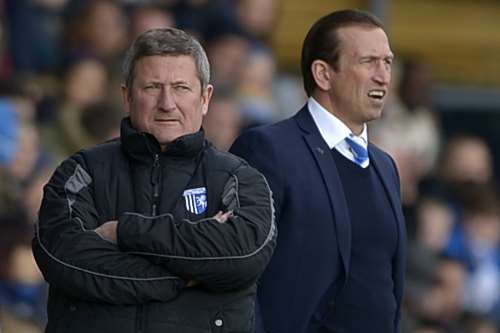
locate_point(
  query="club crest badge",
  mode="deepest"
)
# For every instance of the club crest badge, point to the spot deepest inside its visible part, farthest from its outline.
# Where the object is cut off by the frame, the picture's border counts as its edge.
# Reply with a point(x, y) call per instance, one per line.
point(196, 200)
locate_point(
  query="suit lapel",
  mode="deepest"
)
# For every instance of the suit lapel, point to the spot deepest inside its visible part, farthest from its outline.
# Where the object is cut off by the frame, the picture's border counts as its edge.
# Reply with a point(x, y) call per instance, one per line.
point(331, 178)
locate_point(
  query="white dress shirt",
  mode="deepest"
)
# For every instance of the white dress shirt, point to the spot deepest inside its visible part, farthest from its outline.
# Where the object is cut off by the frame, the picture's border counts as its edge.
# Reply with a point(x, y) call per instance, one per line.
point(334, 131)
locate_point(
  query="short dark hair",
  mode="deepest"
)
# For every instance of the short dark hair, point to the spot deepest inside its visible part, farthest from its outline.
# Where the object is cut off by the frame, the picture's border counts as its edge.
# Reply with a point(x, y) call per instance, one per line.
point(167, 41)
point(322, 41)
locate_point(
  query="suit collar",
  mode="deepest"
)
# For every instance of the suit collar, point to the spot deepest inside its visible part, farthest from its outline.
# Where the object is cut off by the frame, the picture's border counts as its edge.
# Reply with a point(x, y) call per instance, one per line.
point(305, 121)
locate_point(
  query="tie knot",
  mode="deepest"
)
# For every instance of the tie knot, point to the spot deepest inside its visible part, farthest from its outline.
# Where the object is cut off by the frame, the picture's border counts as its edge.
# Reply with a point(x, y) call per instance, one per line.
point(358, 150)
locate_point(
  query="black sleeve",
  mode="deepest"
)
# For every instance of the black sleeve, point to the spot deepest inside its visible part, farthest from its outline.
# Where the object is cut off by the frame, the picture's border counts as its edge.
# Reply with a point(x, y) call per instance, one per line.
point(76, 260)
point(221, 256)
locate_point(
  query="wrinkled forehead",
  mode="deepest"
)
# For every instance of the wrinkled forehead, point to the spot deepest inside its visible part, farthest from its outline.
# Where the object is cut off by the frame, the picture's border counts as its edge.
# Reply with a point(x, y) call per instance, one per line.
point(162, 67)
point(364, 40)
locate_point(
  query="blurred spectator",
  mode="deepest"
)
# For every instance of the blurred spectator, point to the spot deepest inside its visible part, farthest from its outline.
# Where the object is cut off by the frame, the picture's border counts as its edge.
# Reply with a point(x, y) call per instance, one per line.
point(35, 34)
point(147, 17)
point(435, 221)
point(9, 193)
point(223, 122)
point(21, 156)
point(478, 324)
point(23, 292)
point(27, 153)
point(476, 244)
point(444, 304)
point(101, 122)
point(205, 19)
point(289, 94)
point(9, 129)
point(19, 148)
point(428, 329)
point(86, 82)
point(434, 225)
point(227, 54)
point(256, 88)
point(466, 159)
point(409, 129)
point(19, 99)
point(97, 28)
point(258, 17)
point(32, 191)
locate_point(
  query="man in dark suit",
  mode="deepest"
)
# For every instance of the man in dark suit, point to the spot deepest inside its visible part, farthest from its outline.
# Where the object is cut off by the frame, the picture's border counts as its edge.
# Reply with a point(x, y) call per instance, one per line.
point(339, 263)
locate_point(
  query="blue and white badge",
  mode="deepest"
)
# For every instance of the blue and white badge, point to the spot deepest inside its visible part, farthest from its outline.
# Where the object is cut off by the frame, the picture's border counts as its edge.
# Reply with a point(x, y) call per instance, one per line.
point(196, 200)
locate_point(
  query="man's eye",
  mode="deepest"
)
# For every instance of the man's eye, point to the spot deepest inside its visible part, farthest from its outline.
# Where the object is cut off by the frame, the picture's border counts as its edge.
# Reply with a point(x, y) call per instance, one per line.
point(152, 86)
point(182, 88)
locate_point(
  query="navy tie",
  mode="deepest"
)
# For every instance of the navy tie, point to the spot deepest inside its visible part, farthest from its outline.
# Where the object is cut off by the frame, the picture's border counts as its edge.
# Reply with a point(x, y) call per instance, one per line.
point(360, 152)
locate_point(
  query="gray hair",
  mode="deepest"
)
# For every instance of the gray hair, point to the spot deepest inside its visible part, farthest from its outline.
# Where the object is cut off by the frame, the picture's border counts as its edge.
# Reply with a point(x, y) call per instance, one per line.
point(166, 42)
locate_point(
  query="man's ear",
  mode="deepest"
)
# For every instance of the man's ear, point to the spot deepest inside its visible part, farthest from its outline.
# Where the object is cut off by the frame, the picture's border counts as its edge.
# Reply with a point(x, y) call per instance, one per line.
point(322, 74)
point(206, 96)
point(126, 98)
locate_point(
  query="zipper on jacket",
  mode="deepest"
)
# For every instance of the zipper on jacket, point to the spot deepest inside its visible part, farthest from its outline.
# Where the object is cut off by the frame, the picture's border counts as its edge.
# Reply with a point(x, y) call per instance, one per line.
point(139, 323)
point(155, 181)
point(140, 326)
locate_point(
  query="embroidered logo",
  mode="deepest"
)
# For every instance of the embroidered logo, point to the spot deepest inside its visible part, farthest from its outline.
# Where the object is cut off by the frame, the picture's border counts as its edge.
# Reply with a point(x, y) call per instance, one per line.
point(196, 200)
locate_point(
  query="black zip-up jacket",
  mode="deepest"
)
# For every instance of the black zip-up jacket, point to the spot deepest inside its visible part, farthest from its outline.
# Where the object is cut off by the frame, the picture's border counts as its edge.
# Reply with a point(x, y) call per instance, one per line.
point(164, 203)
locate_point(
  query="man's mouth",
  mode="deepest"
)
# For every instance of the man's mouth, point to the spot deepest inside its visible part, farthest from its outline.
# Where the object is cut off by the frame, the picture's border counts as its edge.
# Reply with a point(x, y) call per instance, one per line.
point(166, 120)
point(377, 94)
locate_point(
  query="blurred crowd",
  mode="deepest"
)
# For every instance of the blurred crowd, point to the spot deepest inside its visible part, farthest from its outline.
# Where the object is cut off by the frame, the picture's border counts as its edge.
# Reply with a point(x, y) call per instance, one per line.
point(60, 77)
point(452, 209)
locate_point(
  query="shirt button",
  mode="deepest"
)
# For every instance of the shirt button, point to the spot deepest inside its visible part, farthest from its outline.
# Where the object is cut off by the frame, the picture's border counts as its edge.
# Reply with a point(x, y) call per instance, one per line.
point(218, 322)
point(72, 308)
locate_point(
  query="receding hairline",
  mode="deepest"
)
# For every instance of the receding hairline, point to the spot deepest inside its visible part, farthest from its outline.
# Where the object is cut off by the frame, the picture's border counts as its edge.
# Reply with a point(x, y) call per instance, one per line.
point(170, 55)
point(366, 27)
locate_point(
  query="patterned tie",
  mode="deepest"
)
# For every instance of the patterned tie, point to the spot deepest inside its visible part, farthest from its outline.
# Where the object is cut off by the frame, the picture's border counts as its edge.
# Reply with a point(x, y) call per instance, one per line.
point(359, 151)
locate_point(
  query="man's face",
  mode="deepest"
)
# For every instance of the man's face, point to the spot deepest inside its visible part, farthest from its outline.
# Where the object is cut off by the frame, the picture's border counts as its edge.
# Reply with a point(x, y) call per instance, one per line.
point(166, 98)
point(361, 81)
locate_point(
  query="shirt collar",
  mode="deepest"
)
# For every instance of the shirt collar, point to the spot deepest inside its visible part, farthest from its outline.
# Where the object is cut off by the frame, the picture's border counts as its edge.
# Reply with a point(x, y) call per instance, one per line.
point(331, 128)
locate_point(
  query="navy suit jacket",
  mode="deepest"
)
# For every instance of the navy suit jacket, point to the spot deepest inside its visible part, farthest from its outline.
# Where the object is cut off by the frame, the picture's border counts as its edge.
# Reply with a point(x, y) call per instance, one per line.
point(314, 234)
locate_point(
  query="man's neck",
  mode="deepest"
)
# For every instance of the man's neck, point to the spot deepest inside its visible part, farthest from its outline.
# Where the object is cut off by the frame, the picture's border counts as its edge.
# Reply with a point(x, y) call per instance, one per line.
point(326, 103)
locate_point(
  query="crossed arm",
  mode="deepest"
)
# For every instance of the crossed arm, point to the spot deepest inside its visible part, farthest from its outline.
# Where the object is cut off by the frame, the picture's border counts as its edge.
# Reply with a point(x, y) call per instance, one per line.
point(153, 257)
point(76, 260)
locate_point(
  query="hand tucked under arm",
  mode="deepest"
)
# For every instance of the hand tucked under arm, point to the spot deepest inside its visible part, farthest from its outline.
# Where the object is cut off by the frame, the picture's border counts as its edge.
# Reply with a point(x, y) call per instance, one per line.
point(222, 217)
point(107, 231)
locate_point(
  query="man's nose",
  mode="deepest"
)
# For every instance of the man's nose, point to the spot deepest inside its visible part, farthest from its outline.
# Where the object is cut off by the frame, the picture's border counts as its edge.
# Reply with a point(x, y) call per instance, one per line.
point(166, 99)
point(382, 74)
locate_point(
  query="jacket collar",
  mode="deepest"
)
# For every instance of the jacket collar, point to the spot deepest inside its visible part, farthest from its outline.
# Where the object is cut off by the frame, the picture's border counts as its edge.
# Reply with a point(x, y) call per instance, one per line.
point(305, 121)
point(140, 145)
